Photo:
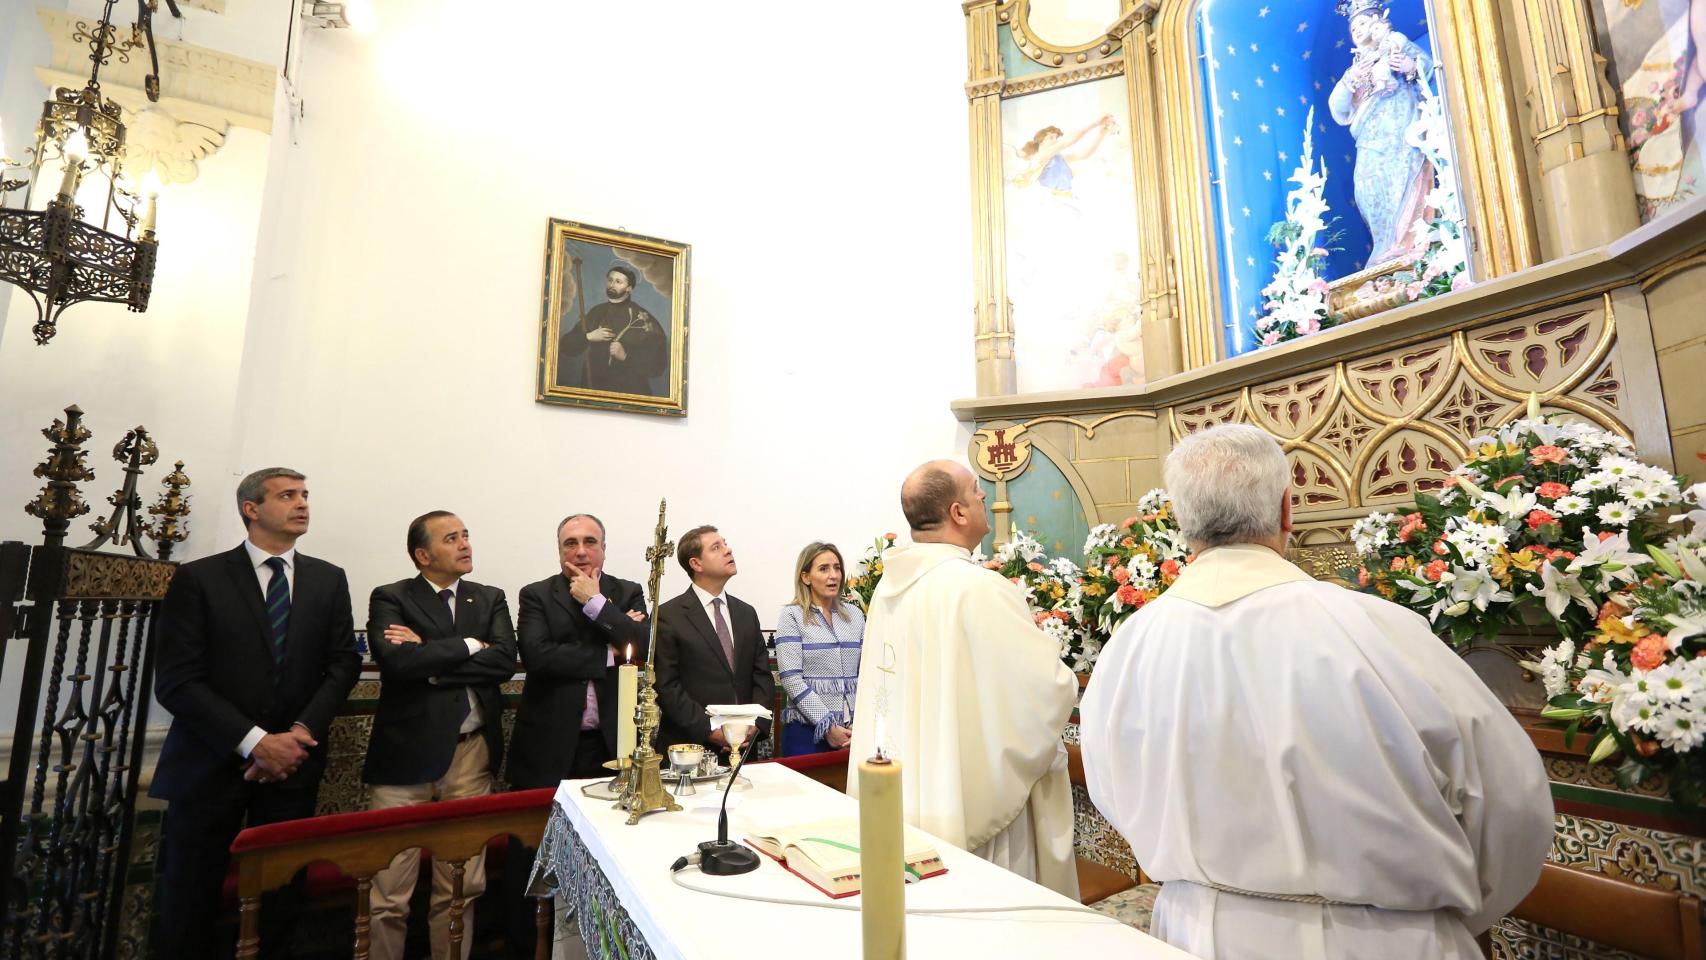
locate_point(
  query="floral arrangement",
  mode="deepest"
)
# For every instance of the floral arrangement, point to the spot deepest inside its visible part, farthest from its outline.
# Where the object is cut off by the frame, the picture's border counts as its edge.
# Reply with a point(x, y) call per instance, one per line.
point(863, 585)
point(1051, 591)
point(1128, 565)
point(1294, 303)
point(1440, 252)
point(1638, 681)
point(1550, 513)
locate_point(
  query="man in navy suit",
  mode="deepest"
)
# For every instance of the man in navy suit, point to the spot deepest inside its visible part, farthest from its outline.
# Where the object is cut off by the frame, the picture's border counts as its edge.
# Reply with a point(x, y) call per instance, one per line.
point(710, 648)
point(256, 654)
point(443, 644)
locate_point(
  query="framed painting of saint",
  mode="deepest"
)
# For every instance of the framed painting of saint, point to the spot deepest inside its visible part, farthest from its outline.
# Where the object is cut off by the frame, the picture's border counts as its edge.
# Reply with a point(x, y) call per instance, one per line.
point(613, 323)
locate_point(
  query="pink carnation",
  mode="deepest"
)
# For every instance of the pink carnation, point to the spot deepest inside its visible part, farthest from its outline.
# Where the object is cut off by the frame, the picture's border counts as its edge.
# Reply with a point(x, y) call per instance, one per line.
point(1270, 338)
point(1414, 290)
point(1460, 281)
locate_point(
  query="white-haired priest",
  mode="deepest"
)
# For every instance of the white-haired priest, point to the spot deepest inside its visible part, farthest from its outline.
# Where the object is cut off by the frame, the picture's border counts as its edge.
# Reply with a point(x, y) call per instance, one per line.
point(1309, 771)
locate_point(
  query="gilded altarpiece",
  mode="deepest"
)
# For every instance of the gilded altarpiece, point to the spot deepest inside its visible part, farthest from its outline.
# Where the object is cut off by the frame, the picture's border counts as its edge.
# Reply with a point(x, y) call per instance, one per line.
point(1572, 304)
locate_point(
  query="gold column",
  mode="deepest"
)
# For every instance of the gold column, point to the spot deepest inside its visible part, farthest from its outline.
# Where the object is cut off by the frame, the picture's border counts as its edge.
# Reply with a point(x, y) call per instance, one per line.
point(1190, 238)
point(1490, 167)
point(994, 315)
point(1584, 163)
point(1162, 342)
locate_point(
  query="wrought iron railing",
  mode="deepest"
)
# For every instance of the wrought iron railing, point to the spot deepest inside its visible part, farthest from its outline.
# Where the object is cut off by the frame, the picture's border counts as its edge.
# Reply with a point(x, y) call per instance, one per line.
point(88, 620)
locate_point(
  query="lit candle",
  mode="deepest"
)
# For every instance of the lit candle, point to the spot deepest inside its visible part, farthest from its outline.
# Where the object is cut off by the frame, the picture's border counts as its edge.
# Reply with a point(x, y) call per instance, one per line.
point(882, 881)
point(627, 694)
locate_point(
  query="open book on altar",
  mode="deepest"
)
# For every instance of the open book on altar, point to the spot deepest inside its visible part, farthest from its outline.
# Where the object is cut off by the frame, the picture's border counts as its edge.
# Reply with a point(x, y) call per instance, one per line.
point(825, 853)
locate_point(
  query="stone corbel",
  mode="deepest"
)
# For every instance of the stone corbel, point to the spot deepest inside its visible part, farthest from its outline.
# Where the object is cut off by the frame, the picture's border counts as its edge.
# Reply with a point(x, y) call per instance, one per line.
point(203, 93)
point(1584, 163)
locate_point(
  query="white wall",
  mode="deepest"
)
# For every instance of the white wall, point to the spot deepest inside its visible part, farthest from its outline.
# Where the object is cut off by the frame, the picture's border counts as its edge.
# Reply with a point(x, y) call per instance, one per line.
point(380, 333)
point(816, 162)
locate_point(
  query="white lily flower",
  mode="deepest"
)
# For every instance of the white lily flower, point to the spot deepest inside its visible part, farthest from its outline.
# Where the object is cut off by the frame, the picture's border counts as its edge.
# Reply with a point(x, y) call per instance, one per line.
point(1559, 589)
point(1477, 587)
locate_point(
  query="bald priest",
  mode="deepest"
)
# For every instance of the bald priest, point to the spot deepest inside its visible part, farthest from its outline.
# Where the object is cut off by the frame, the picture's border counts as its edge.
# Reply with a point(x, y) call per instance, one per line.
point(973, 697)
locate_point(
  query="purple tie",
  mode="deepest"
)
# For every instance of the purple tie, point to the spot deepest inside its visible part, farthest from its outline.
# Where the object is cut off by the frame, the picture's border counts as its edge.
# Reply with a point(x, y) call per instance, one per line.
point(723, 631)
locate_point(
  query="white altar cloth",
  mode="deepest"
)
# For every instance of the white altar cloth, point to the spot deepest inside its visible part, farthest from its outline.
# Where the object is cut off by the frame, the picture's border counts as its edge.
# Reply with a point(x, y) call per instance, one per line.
point(683, 923)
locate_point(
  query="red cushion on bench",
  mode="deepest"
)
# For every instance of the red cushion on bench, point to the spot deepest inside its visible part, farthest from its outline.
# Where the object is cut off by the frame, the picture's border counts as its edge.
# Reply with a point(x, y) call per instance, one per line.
point(812, 761)
point(367, 821)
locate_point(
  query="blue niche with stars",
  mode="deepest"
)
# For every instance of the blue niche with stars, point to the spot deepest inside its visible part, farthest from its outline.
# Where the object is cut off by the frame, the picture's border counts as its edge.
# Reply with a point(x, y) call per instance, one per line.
point(1264, 64)
point(1045, 506)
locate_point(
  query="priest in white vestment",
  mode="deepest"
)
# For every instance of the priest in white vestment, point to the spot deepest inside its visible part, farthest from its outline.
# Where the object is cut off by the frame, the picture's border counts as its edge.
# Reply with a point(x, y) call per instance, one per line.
point(1309, 771)
point(972, 696)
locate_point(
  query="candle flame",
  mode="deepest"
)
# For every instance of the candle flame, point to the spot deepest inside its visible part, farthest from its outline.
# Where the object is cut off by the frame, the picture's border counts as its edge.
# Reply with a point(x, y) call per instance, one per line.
point(628, 655)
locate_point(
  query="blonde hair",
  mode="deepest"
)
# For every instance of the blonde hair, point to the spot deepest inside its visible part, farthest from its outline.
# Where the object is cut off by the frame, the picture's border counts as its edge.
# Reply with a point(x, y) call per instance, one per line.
point(803, 590)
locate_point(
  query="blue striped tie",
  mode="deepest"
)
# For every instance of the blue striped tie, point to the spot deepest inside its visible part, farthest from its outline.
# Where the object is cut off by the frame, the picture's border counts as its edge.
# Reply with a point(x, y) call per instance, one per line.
point(278, 607)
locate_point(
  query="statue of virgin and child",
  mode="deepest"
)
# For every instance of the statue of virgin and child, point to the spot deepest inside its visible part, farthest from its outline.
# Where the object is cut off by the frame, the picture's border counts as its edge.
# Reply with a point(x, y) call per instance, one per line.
point(1379, 97)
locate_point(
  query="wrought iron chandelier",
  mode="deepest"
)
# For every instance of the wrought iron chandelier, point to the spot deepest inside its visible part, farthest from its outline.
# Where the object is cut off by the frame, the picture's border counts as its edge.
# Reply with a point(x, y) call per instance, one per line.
point(62, 254)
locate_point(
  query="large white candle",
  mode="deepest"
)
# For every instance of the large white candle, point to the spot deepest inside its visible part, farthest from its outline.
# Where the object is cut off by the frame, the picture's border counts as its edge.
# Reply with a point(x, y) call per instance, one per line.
point(882, 881)
point(627, 695)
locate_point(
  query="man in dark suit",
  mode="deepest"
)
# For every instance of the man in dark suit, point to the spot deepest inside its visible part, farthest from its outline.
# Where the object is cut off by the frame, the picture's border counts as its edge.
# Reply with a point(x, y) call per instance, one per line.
point(576, 626)
point(710, 649)
point(256, 654)
point(443, 645)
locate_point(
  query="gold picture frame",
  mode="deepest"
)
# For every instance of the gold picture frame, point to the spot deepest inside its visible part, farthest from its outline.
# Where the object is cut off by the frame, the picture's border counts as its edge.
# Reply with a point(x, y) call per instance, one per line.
point(622, 344)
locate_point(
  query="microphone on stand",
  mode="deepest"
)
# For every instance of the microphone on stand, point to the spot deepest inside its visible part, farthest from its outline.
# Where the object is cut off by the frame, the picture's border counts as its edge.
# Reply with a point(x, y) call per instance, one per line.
point(721, 857)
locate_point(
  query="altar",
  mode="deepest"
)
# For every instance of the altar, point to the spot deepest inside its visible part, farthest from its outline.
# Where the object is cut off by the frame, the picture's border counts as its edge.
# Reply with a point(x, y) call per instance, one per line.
point(614, 882)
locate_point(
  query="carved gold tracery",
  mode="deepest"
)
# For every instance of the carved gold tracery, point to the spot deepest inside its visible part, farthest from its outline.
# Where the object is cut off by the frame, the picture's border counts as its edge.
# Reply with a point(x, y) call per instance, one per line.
point(1374, 432)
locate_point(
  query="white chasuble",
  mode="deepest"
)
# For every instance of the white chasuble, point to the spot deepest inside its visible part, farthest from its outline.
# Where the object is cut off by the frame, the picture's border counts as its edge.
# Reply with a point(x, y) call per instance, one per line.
point(1256, 730)
point(973, 699)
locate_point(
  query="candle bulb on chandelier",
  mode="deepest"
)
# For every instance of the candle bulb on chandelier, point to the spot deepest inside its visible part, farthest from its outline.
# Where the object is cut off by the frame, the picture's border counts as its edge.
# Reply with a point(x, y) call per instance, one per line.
point(150, 203)
point(75, 149)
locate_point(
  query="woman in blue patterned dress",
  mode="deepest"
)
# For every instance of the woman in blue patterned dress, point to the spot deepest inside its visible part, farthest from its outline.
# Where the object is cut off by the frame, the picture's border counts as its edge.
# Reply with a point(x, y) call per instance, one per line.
point(818, 639)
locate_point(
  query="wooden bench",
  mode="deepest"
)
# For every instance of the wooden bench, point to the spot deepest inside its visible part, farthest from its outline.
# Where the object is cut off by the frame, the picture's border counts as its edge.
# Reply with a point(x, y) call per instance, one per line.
point(361, 844)
point(829, 769)
point(1642, 919)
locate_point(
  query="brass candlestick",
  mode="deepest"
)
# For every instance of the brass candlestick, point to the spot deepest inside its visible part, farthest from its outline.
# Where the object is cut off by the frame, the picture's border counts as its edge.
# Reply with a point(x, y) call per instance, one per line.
point(643, 791)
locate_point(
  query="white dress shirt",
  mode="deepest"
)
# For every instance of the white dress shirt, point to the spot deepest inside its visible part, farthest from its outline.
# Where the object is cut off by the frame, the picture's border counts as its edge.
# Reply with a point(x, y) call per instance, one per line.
point(705, 598)
point(263, 574)
point(471, 722)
